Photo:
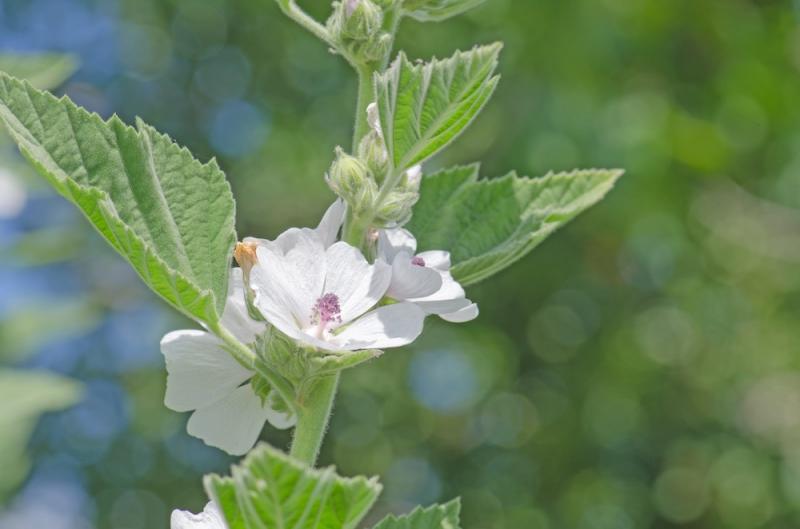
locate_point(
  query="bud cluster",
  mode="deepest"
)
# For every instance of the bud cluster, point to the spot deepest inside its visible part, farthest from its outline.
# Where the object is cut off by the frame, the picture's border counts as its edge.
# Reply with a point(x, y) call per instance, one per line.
point(357, 28)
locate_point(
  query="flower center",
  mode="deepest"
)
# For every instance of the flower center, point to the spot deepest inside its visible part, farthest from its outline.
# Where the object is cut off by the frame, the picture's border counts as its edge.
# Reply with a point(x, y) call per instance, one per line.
point(418, 261)
point(327, 310)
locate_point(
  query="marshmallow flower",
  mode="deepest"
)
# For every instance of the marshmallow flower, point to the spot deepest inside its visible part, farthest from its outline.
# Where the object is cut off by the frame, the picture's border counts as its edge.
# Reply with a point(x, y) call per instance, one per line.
point(210, 518)
point(324, 294)
point(423, 279)
point(204, 378)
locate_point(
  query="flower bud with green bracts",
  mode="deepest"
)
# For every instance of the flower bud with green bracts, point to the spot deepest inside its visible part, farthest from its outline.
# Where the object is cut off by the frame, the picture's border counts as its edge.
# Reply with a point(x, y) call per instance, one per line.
point(350, 178)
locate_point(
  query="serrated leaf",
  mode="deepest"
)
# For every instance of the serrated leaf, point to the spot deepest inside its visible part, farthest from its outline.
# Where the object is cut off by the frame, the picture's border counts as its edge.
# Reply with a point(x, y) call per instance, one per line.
point(42, 70)
point(169, 215)
point(424, 107)
point(24, 397)
point(435, 517)
point(437, 10)
point(489, 224)
point(270, 490)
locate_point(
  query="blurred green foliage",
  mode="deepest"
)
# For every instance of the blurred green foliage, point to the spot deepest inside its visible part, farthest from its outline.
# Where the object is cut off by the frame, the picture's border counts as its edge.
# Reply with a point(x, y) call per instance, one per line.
point(638, 370)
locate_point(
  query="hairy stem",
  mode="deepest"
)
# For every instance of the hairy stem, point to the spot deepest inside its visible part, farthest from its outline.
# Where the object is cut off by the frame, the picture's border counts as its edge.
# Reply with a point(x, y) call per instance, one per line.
point(314, 409)
point(366, 95)
point(240, 352)
point(313, 414)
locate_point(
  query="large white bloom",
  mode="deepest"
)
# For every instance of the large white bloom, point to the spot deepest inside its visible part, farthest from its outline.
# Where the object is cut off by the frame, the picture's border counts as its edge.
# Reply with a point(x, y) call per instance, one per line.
point(210, 518)
point(204, 378)
point(322, 294)
point(423, 279)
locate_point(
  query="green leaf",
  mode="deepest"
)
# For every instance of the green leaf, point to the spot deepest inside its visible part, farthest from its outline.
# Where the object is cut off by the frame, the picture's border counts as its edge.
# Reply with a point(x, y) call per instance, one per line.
point(24, 397)
point(434, 517)
point(489, 224)
point(270, 490)
point(424, 107)
point(42, 70)
point(437, 10)
point(169, 215)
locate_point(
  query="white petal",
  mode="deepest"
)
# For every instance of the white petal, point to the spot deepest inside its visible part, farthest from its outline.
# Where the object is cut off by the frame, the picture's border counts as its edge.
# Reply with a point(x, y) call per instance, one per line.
point(210, 518)
point(390, 326)
point(289, 276)
point(414, 175)
point(236, 318)
point(280, 420)
point(442, 306)
point(199, 371)
point(331, 222)
point(411, 281)
point(438, 259)
point(468, 313)
point(358, 284)
point(232, 424)
point(391, 242)
point(374, 119)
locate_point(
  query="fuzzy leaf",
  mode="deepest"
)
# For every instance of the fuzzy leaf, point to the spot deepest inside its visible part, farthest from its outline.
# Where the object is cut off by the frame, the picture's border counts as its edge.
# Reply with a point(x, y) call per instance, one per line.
point(42, 70)
point(435, 517)
point(270, 490)
point(489, 224)
point(437, 10)
point(424, 107)
point(169, 215)
point(24, 397)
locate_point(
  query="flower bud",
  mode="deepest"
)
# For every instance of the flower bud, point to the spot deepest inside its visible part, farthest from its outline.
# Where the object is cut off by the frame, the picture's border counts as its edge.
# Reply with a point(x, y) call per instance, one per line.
point(372, 150)
point(376, 48)
point(396, 209)
point(350, 178)
point(358, 19)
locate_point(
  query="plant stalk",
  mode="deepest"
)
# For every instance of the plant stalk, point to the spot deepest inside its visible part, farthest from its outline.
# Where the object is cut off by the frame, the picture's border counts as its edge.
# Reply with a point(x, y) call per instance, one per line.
point(313, 415)
point(366, 95)
point(314, 409)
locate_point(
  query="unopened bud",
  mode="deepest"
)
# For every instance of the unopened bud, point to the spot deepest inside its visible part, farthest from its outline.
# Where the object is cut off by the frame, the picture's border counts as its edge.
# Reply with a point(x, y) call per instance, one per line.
point(376, 48)
point(350, 178)
point(360, 19)
point(373, 151)
point(396, 209)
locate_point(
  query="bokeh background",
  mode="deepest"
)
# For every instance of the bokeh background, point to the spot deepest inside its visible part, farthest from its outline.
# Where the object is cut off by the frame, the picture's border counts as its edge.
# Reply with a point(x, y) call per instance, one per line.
point(639, 370)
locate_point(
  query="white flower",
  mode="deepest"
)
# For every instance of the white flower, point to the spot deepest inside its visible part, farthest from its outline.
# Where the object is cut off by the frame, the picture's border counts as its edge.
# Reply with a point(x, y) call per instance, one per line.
point(321, 294)
point(424, 279)
point(204, 378)
point(210, 518)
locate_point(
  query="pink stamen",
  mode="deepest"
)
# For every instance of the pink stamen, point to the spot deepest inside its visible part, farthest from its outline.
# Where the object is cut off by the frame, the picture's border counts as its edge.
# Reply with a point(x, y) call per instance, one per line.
point(418, 261)
point(327, 310)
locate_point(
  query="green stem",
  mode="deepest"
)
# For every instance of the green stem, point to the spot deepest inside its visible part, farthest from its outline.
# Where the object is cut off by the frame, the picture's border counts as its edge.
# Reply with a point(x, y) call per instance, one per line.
point(312, 419)
point(314, 408)
point(366, 95)
point(240, 352)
